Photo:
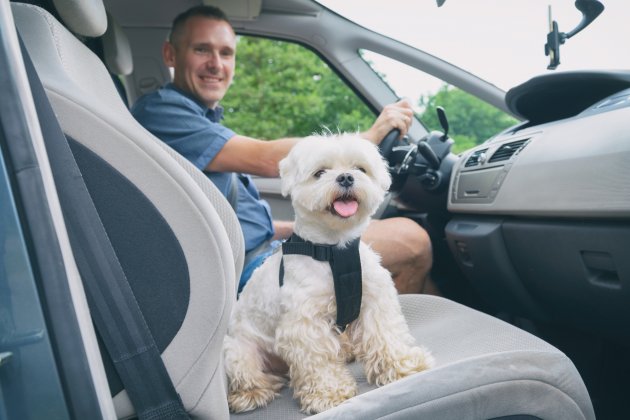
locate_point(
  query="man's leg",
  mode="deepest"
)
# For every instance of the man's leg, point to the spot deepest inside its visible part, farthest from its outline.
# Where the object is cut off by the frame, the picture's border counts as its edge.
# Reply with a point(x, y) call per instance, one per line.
point(405, 249)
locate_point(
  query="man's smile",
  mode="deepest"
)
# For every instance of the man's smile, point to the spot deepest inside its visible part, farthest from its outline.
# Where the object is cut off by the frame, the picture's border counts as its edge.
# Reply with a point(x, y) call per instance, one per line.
point(211, 79)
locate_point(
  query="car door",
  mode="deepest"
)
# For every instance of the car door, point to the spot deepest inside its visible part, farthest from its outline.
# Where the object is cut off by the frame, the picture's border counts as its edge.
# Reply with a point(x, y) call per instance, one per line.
point(45, 362)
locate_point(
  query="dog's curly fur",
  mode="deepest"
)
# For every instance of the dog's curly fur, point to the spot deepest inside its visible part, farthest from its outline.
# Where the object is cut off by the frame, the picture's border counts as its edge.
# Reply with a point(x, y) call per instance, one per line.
point(296, 322)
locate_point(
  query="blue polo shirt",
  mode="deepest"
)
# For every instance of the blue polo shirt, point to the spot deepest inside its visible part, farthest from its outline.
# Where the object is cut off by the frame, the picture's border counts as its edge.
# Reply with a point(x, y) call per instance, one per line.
point(195, 131)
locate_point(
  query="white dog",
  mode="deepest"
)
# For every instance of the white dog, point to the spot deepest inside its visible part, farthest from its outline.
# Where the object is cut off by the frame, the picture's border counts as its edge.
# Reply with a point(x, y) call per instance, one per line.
point(336, 183)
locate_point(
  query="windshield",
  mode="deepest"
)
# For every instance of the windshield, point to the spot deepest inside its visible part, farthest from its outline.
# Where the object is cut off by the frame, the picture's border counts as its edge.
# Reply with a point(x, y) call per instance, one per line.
point(501, 41)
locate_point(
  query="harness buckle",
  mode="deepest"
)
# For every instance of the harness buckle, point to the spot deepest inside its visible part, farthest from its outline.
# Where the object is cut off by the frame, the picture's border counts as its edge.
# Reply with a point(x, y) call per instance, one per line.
point(321, 252)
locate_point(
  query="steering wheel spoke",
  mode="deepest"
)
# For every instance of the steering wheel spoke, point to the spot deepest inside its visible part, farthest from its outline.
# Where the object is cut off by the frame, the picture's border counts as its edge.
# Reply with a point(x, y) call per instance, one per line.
point(398, 165)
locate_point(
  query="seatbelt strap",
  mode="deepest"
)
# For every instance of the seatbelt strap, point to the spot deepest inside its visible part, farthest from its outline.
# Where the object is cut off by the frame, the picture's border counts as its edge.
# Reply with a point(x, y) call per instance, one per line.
point(345, 264)
point(232, 196)
point(113, 306)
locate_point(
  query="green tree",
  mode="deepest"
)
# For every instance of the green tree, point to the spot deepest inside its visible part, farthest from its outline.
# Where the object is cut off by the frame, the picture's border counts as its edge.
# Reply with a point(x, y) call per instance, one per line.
point(471, 120)
point(282, 89)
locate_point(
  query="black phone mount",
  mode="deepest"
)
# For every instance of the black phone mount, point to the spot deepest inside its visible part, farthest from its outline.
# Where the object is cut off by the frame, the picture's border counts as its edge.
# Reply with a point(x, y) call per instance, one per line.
point(590, 10)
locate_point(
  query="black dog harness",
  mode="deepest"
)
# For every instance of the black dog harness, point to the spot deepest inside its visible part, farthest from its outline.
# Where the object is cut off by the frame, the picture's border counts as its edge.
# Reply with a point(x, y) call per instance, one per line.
point(345, 264)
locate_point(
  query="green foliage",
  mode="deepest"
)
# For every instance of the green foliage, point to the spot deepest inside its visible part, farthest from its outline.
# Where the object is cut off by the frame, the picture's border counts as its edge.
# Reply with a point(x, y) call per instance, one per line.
point(471, 120)
point(282, 89)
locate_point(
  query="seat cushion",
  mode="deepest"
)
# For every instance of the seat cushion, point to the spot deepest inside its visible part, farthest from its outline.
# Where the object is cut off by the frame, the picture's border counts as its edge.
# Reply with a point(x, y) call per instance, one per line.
point(485, 368)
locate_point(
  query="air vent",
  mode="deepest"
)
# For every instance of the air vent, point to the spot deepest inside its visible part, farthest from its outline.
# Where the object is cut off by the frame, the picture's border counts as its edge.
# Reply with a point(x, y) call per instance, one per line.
point(507, 150)
point(474, 159)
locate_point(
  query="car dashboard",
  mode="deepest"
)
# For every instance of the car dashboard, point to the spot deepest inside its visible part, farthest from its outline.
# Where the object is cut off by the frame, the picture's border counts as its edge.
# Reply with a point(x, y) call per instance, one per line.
point(541, 211)
point(573, 167)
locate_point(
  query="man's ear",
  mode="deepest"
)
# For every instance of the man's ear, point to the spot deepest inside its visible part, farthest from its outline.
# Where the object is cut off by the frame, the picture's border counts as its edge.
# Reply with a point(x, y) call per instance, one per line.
point(168, 54)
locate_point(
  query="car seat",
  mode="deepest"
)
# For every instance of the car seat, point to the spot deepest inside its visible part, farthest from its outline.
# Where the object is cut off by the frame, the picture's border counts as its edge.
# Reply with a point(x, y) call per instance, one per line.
point(116, 54)
point(155, 206)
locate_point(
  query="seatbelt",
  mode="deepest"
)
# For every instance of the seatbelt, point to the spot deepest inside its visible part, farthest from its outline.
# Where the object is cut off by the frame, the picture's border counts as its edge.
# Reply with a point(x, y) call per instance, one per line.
point(232, 196)
point(345, 264)
point(114, 309)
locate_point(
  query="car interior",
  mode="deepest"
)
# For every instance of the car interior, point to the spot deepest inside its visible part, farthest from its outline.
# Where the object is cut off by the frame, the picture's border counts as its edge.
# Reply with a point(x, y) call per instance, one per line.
point(516, 334)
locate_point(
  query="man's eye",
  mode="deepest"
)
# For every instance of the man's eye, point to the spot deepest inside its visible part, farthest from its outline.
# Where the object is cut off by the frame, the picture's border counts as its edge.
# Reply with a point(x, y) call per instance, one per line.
point(319, 173)
point(201, 50)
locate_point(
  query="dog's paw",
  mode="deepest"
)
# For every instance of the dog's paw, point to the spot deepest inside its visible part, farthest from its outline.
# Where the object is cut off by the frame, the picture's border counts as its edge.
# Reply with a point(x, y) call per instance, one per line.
point(247, 399)
point(414, 360)
point(319, 400)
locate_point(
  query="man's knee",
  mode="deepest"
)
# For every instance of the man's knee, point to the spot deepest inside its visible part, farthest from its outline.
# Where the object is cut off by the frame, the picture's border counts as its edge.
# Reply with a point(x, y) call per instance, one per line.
point(402, 243)
point(417, 242)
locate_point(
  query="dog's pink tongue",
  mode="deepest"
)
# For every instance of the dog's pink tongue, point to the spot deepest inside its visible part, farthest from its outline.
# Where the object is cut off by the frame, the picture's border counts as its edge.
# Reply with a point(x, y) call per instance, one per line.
point(345, 208)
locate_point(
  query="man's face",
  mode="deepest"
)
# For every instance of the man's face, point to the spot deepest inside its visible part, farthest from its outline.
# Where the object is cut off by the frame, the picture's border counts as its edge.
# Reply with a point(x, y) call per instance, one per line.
point(203, 56)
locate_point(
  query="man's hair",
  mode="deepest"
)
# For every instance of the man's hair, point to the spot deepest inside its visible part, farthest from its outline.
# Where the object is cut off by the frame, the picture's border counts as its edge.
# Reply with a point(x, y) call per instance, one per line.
point(180, 20)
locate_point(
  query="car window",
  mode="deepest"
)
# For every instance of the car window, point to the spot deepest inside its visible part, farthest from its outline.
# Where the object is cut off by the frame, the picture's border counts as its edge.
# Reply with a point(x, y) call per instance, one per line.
point(29, 383)
point(471, 121)
point(282, 89)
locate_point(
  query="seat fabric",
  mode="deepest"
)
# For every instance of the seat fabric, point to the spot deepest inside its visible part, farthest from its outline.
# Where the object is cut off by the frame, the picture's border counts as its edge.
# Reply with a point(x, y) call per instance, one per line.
point(116, 49)
point(485, 368)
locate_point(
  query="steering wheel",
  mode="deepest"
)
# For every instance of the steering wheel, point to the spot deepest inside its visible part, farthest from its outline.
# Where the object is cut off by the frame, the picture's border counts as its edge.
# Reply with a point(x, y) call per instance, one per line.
point(387, 144)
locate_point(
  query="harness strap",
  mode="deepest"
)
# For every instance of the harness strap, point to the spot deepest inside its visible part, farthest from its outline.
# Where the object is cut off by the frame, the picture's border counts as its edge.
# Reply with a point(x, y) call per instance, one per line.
point(345, 264)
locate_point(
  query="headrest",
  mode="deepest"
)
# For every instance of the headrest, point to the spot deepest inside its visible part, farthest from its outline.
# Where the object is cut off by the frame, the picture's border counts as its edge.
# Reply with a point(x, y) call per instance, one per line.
point(83, 17)
point(116, 49)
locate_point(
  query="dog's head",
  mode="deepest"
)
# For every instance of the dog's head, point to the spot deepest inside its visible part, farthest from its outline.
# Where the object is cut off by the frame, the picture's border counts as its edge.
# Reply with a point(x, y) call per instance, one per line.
point(336, 182)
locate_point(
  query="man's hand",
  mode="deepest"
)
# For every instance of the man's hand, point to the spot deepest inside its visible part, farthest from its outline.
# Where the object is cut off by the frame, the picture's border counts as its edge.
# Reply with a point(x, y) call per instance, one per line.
point(398, 115)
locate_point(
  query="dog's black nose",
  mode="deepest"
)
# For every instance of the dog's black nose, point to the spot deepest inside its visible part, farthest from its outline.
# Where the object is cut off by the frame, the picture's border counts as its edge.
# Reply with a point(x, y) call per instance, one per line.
point(345, 180)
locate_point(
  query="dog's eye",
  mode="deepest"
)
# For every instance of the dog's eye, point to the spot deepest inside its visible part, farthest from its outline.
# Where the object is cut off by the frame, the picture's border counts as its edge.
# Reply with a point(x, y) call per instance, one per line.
point(361, 169)
point(319, 173)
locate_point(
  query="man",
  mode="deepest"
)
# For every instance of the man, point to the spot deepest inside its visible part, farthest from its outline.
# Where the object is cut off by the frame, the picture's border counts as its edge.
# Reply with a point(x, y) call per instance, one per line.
point(186, 115)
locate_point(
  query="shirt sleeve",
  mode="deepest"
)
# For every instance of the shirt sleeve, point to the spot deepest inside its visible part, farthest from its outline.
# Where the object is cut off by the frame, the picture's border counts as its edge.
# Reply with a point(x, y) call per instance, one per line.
point(182, 125)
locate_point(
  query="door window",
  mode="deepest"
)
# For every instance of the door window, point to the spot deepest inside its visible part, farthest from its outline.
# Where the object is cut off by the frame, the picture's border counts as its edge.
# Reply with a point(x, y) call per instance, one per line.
point(282, 89)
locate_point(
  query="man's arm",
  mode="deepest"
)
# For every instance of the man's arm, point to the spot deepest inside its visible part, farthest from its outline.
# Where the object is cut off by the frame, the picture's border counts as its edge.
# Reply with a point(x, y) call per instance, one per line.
point(251, 156)
point(283, 229)
point(259, 157)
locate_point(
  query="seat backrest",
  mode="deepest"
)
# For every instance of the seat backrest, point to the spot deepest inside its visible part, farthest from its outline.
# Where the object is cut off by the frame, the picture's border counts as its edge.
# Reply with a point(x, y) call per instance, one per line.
point(175, 235)
point(116, 49)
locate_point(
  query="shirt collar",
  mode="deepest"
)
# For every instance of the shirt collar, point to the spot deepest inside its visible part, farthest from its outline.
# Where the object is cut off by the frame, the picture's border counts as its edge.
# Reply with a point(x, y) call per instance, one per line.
point(214, 115)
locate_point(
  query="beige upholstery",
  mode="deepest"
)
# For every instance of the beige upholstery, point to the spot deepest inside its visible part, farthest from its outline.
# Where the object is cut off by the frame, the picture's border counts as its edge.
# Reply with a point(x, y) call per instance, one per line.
point(485, 369)
point(85, 17)
point(116, 49)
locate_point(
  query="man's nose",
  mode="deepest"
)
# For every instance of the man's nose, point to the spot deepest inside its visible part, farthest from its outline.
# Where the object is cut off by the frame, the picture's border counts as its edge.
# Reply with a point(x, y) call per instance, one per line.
point(213, 60)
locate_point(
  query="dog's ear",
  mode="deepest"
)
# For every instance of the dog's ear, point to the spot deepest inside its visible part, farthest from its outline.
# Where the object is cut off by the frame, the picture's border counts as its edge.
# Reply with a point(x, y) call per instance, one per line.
point(378, 164)
point(380, 171)
point(286, 175)
point(382, 174)
point(291, 168)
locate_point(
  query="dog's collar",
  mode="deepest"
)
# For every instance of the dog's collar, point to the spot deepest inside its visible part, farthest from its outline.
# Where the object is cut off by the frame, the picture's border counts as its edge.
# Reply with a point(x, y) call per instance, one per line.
point(345, 264)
